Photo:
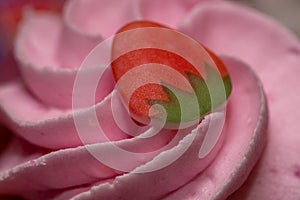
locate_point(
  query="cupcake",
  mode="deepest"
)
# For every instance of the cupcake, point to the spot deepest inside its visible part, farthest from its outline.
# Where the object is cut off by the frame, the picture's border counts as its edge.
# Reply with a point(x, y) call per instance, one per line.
point(78, 123)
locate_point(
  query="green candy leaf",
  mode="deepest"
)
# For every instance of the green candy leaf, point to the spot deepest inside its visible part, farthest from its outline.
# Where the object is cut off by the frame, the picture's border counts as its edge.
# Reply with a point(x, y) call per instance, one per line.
point(210, 94)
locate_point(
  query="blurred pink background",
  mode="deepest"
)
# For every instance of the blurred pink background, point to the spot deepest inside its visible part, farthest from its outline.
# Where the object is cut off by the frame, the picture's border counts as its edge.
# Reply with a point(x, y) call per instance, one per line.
point(285, 11)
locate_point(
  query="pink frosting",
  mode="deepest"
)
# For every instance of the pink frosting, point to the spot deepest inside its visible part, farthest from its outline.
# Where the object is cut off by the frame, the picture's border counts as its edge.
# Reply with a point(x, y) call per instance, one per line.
point(45, 158)
point(274, 54)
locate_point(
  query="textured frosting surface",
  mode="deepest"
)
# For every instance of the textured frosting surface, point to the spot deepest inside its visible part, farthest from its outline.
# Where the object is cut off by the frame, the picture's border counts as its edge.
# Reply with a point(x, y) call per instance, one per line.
point(41, 115)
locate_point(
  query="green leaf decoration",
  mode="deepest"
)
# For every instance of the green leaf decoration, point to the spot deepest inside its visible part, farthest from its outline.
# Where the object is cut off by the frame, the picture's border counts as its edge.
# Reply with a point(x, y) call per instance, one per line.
point(210, 94)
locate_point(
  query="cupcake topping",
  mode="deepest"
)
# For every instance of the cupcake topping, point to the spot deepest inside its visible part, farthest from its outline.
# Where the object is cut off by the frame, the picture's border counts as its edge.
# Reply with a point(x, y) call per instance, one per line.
point(163, 75)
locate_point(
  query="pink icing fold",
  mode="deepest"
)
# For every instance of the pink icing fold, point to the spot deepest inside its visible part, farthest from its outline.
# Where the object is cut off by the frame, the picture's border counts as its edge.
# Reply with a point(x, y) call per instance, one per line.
point(246, 135)
point(161, 12)
point(274, 54)
point(235, 159)
point(46, 126)
point(84, 15)
point(48, 69)
point(88, 170)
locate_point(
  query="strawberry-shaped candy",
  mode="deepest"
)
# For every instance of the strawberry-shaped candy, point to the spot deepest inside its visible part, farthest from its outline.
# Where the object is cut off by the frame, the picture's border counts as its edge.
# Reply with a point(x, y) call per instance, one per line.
point(155, 65)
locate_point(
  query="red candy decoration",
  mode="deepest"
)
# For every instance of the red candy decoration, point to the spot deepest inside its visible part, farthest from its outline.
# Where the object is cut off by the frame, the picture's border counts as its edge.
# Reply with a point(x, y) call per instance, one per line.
point(154, 68)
